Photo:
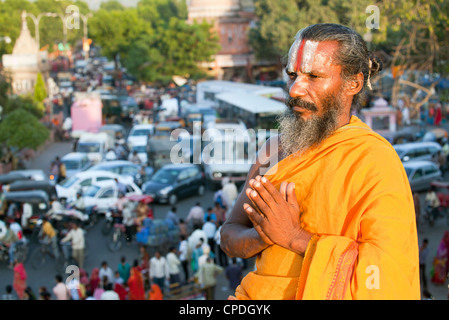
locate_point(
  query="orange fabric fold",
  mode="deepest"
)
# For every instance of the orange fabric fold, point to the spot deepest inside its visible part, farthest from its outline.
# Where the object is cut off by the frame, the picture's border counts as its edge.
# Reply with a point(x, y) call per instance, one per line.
point(355, 196)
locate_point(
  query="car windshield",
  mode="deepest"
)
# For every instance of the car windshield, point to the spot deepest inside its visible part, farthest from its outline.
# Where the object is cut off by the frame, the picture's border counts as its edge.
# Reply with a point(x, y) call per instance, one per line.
point(140, 132)
point(165, 176)
point(67, 183)
point(139, 149)
point(72, 164)
point(88, 147)
point(91, 191)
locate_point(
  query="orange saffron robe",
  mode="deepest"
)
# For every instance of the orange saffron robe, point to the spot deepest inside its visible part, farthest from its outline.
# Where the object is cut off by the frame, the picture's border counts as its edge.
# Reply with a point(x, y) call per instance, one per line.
point(355, 196)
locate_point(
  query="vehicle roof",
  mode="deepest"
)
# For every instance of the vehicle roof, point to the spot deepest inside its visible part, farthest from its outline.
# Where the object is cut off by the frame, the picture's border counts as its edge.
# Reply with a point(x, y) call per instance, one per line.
point(74, 156)
point(143, 126)
point(411, 145)
point(178, 166)
point(115, 163)
point(419, 163)
point(31, 196)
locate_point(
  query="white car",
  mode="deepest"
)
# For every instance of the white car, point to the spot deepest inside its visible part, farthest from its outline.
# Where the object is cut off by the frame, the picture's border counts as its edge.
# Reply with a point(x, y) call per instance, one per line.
point(140, 133)
point(82, 180)
point(104, 195)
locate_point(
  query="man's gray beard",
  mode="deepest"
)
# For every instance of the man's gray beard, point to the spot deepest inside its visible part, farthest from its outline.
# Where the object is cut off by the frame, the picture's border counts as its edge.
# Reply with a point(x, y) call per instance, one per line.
point(299, 135)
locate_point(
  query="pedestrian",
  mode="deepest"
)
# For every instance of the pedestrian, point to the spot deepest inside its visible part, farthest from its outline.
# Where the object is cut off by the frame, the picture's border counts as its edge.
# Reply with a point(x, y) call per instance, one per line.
point(155, 293)
point(417, 205)
point(95, 279)
point(207, 275)
point(159, 270)
point(173, 264)
point(76, 238)
point(222, 258)
point(183, 250)
point(234, 274)
point(172, 217)
point(328, 183)
point(60, 290)
point(10, 240)
point(29, 294)
point(183, 228)
point(210, 214)
point(48, 235)
point(230, 193)
point(8, 295)
point(124, 269)
point(20, 279)
point(106, 271)
point(196, 216)
point(136, 284)
point(196, 253)
point(423, 253)
point(209, 227)
point(120, 186)
point(441, 261)
point(62, 172)
point(220, 212)
point(109, 293)
point(135, 158)
point(54, 171)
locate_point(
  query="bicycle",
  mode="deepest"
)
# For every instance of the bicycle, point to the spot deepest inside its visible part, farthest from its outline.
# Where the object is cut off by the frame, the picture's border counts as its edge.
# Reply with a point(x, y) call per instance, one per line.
point(118, 237)
point(39, 256)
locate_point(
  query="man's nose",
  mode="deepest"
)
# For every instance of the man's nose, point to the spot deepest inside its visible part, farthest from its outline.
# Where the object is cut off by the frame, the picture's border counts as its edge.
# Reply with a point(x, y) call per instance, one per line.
point(299, 87)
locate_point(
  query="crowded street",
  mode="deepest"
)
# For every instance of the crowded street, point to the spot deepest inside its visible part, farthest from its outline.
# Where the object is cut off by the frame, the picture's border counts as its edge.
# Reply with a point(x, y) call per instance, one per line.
point(176, 150)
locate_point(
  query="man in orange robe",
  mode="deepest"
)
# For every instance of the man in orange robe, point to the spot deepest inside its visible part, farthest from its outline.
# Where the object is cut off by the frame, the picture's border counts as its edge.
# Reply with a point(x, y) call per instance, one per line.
point(333, 218)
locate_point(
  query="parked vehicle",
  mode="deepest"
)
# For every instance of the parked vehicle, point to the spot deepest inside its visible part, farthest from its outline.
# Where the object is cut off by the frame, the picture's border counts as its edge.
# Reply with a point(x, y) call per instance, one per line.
point(82, 180)
point(75, 162)
point(417, 150)
point(28, 185)
point(95, 145)
point(40, 204)
point(421, 174)
point(104, 195)
point(139, 132)
point(124, 168)
point(175, 181)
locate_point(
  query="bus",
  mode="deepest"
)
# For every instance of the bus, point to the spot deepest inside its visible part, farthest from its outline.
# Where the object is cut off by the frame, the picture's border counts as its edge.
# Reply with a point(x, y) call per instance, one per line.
point(207, 91)
point(257, 112)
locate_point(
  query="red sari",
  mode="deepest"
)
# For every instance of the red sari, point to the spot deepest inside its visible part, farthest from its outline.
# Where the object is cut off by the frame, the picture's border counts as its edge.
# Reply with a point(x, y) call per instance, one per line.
point(19, 283)
point(136, 285)
point(94, 279)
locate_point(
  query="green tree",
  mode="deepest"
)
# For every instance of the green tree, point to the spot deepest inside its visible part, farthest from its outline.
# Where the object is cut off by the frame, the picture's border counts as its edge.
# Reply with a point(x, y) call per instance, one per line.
point(20, 129)
point(40, 91)
point(279, 21)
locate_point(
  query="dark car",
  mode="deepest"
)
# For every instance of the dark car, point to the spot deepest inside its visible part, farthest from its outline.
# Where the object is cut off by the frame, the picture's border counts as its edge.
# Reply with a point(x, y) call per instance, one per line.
point(175, 181)
point(125, 168)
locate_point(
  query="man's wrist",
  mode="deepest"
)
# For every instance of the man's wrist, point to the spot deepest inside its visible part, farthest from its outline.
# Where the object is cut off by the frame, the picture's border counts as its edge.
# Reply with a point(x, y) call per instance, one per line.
point(300, 242)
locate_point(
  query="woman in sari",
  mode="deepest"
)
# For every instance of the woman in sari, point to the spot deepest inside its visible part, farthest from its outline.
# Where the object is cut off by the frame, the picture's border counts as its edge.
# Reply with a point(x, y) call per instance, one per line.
point(94, 279)
point(136, 285)
point(155, 292)
point(441, 261)
point(19, 282)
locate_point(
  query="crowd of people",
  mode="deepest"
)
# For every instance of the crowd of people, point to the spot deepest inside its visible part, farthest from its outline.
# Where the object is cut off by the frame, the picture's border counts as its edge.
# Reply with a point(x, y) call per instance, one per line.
point(196, 259)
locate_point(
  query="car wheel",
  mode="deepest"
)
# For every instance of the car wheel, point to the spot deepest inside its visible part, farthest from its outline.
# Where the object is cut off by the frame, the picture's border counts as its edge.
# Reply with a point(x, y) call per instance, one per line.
point(172, 199)
point(201, 190)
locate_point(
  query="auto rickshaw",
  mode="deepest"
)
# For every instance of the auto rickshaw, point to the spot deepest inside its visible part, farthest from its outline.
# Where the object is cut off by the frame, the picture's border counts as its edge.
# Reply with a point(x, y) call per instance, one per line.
point(40, 204)
point(26, 185)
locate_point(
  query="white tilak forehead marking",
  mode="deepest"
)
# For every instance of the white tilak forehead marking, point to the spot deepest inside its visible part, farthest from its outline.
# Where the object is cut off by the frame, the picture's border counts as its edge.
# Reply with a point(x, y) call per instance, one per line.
point(308, 53)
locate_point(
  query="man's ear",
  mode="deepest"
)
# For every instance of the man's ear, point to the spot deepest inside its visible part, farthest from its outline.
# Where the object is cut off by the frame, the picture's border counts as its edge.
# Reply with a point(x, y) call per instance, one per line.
point(354, 85)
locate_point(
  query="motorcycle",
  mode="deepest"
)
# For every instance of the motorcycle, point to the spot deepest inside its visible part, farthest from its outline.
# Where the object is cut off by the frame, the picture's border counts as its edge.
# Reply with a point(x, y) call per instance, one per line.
point(20, 251)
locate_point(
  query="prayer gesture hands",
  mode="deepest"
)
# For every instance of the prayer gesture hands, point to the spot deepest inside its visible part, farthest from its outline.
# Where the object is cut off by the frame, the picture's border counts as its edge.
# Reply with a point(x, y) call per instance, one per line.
point(276, 215)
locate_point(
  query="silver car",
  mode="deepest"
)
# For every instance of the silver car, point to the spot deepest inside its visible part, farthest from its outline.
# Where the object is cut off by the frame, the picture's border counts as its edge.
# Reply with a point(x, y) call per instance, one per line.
point(421, 174)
